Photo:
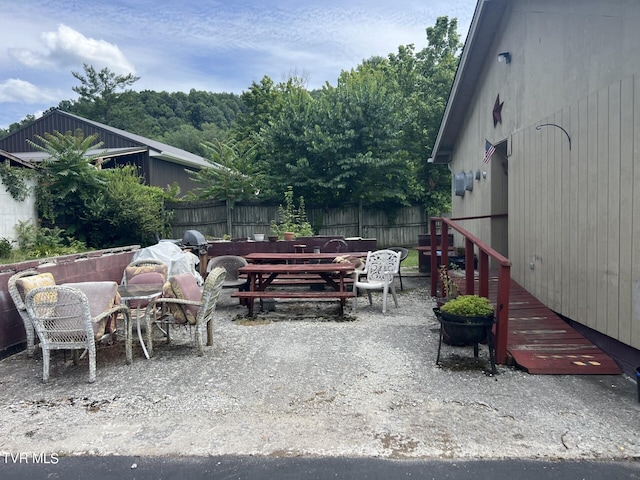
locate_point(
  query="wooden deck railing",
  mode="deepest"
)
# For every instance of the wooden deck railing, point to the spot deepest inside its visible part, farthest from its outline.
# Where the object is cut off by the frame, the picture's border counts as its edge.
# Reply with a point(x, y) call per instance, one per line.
point(471, 243)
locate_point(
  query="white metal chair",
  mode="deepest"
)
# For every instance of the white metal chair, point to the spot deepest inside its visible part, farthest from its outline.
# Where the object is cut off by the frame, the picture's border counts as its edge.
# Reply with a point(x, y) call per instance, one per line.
point(62, 318)
point(188, 306)
point(379, 273)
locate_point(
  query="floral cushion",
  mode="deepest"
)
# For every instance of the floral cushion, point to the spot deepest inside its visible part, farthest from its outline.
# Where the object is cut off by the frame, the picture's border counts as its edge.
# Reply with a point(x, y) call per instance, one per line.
point(131, 272)
point(183, 286)
point(26, 284)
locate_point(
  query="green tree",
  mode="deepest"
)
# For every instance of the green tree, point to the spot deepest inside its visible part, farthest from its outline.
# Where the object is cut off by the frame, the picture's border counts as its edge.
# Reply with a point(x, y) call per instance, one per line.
point(68, 182)
point(98, 91)
point(425, 79)
point(339, 144)
point(234, 176)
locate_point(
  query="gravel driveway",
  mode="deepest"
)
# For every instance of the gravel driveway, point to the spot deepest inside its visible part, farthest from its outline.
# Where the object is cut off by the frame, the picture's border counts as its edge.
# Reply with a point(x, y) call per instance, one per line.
point(302, 381)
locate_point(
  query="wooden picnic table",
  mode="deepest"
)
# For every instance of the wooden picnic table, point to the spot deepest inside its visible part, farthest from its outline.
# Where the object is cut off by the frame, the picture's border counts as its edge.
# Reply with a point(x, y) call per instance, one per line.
point(261, 276)
point(271, 257)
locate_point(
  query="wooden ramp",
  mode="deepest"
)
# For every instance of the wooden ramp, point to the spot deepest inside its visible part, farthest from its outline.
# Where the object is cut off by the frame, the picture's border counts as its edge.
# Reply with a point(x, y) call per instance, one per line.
point(540, 342)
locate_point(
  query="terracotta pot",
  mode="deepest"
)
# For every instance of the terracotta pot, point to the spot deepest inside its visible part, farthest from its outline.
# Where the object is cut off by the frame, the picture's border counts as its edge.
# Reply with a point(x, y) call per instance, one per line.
point(289, 235)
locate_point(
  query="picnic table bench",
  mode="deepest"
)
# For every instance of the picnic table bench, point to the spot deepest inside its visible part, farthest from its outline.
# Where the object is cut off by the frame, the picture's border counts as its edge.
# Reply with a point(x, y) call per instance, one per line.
point(262, 276)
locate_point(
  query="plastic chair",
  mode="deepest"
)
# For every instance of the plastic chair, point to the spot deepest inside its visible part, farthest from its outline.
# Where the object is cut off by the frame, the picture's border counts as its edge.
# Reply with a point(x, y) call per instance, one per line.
point(403, 254)
point(231, 263)
point(62, 318)
point(188, 306)
point(379, 272)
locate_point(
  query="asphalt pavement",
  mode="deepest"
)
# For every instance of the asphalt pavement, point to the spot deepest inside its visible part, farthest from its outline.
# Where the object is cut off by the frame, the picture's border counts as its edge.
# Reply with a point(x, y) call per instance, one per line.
point(331, 468)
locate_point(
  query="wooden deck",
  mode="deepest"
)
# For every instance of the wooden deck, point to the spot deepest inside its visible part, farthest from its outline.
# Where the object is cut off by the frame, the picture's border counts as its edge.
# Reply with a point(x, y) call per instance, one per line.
point(540, 342)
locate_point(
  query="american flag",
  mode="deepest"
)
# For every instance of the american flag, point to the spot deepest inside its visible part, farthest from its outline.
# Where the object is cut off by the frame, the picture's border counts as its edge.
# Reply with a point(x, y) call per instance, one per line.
point(488, 151)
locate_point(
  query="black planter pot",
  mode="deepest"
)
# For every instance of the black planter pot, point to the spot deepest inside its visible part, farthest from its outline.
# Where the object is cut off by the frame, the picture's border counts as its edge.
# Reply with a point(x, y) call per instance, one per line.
point(460, 330)
point(464, 330)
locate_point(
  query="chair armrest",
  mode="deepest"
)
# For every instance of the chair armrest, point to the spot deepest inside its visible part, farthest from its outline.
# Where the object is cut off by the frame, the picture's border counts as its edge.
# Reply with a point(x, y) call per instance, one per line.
point(358, 273)
point(107, 313)
point(178, 301)
point(166, 300)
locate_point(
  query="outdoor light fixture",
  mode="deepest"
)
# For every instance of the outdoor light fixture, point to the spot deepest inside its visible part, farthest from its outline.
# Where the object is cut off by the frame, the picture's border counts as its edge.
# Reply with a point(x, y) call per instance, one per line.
point(504, 57)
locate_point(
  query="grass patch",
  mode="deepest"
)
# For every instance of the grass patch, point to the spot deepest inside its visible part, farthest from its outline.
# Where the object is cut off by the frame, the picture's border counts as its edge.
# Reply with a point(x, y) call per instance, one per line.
point(411, 260)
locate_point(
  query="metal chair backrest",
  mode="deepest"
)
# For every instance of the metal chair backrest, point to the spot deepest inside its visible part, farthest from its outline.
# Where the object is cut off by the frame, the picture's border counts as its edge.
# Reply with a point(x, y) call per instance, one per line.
point(231, 263)
point(336, 245)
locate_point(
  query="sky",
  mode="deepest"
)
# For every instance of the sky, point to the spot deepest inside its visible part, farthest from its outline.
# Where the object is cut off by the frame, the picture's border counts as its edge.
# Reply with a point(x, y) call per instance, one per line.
point(209, 45)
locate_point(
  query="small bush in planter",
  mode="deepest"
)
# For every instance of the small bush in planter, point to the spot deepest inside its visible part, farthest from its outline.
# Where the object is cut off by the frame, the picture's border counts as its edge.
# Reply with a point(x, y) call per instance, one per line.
point(468, 306)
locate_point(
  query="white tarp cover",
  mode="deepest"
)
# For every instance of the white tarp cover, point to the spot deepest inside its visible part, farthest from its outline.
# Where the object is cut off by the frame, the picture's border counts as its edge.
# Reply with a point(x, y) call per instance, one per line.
point(177, 260)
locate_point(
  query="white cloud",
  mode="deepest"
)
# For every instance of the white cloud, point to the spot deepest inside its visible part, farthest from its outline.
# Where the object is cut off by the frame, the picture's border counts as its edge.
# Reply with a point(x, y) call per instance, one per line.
point(68, 47)
point(20, 91)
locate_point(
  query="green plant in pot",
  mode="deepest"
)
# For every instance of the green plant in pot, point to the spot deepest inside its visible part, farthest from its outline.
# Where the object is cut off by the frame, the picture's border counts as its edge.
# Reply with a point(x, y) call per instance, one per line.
point(468, 306)
point(465, 319)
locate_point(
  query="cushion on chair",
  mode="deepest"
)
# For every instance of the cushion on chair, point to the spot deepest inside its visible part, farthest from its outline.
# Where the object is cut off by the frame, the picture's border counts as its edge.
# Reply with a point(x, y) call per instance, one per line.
point(146, 278)
point(101, 296)
point(26, 284)
point(131, 272)
point(183, 286)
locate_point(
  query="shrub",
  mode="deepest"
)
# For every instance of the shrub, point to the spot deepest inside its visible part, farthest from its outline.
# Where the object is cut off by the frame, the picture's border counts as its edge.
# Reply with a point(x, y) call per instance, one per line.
point(5, 247)
point(468, 305)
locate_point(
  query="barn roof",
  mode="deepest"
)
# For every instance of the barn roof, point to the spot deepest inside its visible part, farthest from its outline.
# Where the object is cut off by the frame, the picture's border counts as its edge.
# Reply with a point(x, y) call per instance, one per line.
point(483, 29)
point(157, 150)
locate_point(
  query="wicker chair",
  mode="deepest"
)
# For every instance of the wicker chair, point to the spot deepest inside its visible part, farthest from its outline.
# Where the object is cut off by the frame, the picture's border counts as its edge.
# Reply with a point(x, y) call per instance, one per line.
point(17, 292)
point(62, 319)
point(188, 306)
point(146, 268)
point(379, 271)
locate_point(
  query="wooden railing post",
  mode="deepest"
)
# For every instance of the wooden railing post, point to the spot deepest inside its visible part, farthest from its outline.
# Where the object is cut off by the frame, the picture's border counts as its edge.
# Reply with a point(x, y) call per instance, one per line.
point(502, 307)
point(469, 277)
point(483, 274)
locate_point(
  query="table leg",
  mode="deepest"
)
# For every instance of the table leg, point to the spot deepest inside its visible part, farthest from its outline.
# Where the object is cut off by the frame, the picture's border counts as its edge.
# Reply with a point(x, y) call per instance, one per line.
point(128, 334)
point(144, 347)
point(252, 287)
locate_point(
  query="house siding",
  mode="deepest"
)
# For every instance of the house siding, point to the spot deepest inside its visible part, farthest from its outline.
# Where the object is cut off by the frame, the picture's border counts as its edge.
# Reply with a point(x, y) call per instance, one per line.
point(574, 214)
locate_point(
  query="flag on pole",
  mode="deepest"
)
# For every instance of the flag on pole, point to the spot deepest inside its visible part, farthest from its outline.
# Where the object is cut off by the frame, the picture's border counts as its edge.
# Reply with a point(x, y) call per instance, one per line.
point(488, 151)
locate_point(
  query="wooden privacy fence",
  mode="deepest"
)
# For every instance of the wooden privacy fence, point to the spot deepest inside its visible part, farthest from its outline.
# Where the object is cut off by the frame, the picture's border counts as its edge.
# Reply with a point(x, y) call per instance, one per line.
point(216, 219)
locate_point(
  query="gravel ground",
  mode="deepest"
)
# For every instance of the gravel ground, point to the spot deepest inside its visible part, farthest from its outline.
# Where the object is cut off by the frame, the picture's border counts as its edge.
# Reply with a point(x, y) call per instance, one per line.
point(302, 381)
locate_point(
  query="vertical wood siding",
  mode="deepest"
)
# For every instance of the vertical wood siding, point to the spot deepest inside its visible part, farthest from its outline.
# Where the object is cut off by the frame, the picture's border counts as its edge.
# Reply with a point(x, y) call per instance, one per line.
point(575, 214)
